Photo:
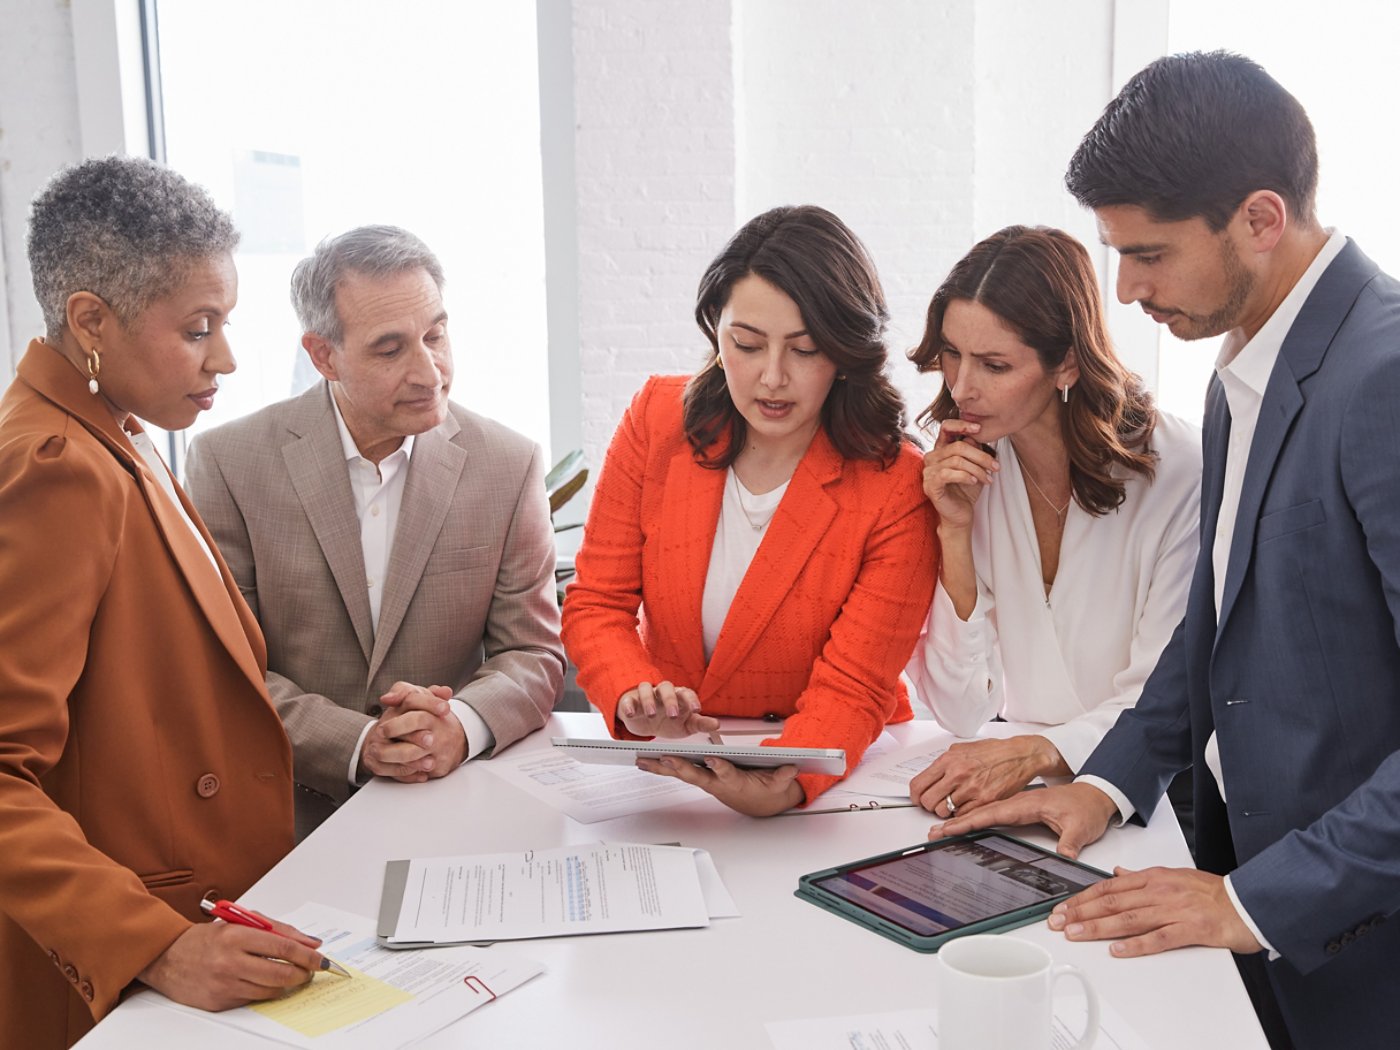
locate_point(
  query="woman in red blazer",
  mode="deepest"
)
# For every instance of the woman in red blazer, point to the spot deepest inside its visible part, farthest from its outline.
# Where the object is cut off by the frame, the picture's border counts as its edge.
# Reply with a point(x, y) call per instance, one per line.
point(757, 544)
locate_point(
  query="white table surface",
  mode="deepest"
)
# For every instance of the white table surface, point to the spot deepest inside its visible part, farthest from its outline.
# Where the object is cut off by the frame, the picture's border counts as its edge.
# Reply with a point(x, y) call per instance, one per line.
point(712, 987)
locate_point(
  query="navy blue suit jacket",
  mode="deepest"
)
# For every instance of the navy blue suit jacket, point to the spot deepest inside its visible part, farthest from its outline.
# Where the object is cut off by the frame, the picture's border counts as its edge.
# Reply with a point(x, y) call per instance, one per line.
point(1300, 678)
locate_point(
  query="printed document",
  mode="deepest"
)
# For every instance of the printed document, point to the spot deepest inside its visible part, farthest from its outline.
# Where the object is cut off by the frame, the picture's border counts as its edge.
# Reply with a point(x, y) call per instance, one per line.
point(597, 888)
point(590, 793)
point(394, 997)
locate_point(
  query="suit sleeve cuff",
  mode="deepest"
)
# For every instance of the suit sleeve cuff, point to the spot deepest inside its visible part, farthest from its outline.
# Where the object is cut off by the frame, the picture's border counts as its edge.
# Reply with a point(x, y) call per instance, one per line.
point(1244, 918)
point(352, 773)
point(479, 735)
point(1125, 808)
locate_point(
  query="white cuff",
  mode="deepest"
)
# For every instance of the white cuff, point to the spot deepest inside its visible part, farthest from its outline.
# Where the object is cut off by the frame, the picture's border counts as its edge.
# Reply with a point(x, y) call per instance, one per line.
point(1244, 917)
point(355, 755)
point(1125, 808)
point(950, 633)
point(479, 735)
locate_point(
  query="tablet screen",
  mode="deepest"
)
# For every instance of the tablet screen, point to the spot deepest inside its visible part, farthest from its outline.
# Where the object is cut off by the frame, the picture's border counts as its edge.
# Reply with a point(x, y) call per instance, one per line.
point(958, 882)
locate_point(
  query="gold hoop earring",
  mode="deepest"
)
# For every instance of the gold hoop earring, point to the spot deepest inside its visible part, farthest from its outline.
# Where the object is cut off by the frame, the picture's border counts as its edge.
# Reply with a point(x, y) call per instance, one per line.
point(94, 366)
point(719, 362)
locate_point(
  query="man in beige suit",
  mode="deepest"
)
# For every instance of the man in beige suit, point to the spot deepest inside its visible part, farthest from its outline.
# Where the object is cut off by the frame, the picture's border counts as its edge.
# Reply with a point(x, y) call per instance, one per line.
point(395, 547)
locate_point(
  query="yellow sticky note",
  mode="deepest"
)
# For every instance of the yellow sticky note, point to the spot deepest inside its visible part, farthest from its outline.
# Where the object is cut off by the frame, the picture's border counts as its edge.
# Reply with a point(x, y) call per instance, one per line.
point(330, 1002)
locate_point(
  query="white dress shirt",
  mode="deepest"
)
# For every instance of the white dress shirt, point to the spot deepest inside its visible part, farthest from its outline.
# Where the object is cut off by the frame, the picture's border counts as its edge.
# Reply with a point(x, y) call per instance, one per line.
point(378, 492)
point(736, 542)
point(1072, 660)
point(1244, 369)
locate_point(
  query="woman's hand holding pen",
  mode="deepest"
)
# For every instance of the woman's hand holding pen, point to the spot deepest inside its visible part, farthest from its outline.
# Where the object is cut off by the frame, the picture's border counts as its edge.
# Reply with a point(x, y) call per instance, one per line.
point(955, 472)
point(663, 710)
point(217, 965)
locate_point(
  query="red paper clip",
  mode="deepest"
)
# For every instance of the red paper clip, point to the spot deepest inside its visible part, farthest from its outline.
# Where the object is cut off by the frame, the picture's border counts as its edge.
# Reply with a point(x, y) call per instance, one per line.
point(472, 980)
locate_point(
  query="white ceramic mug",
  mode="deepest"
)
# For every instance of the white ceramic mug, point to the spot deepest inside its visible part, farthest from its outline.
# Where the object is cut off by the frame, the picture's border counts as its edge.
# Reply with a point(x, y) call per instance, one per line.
point(995, 992)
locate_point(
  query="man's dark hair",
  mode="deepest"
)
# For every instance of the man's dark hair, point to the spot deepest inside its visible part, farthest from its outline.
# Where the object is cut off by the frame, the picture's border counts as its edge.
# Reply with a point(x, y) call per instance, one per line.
point(1194, 135)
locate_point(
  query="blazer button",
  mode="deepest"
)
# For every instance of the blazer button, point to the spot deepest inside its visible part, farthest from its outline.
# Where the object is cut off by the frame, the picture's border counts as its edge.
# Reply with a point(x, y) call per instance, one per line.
point(1333, 947)
point(207, 786)
point(71, 972)
point(53, 958)
point(86, 989)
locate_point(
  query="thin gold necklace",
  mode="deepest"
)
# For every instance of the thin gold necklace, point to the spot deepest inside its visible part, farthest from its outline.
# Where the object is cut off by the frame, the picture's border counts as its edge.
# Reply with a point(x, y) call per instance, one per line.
point(739, 496)
point(1059, 511)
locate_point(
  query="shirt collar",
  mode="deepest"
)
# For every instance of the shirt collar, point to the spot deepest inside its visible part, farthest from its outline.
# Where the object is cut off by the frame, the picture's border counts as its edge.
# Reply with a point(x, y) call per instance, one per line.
point(347, 443)
point(1251, 363)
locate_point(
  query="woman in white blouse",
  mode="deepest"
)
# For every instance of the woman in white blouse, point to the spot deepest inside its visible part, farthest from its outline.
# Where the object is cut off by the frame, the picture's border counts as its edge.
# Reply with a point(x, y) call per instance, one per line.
point(1068, 519)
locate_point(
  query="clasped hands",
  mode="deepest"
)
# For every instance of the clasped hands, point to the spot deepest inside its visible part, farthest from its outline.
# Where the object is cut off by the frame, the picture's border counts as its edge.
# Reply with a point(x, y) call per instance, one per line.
point(417, 737)
point(670, 711)
point(1141, 912)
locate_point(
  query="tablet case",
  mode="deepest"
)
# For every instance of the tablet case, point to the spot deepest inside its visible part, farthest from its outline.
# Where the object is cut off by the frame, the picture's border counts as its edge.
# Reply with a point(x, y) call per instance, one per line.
point(808, 890)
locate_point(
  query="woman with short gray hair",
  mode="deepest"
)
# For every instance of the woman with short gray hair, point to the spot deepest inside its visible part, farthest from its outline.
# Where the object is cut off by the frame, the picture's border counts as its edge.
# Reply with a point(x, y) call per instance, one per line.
point(142, 767)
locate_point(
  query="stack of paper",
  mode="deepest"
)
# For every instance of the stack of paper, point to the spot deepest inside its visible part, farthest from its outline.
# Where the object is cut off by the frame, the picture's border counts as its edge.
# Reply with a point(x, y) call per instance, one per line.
point(598, 888)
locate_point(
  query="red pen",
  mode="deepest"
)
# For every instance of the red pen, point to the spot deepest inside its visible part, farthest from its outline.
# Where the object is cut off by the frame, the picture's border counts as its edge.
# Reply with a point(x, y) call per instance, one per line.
point(239, 916)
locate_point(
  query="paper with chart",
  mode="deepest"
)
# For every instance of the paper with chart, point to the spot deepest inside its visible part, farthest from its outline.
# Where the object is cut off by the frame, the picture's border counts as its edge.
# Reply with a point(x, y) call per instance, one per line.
point(596, 888)
point(394, 997)
point(918, 1030)
point(590, 793)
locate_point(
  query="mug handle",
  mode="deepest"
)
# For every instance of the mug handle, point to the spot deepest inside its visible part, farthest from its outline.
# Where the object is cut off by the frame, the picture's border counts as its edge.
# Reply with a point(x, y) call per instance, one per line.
point(1091, 1002)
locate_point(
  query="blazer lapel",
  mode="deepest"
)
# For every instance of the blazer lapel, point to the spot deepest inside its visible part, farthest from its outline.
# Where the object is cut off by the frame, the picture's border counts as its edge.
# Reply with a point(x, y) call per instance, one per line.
point(802, 519)
point(1300, 356)
point(434, 471)
point(215, 593)
point(213, 588)
point(686, 538)
point(316, 465)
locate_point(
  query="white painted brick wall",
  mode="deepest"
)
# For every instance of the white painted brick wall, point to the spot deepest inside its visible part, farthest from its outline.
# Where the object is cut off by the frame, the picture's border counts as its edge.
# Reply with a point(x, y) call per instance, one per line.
point(866, 109)
point(654, 157)
point(924, 125)
point(38, 134)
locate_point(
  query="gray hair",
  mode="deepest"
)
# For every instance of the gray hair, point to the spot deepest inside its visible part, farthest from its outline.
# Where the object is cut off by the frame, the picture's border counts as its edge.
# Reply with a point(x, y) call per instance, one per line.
point(371, 251)
point(123, 228)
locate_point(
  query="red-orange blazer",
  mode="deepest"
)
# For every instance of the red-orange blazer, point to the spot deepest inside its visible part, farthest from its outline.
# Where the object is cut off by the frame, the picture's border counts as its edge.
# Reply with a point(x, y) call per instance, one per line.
point(824, 620)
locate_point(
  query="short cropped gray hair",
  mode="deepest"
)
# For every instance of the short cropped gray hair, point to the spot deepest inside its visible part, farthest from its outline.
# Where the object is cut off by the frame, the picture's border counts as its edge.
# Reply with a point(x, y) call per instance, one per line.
point(123, 228)
point(371, 251)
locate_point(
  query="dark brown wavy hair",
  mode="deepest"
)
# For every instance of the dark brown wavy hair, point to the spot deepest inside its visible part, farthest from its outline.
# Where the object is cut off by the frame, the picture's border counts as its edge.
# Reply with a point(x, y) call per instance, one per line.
point(811, 256)
point(1040, 282)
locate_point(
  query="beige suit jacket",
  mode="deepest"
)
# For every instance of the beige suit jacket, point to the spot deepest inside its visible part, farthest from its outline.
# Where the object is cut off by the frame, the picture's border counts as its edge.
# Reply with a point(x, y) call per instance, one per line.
point(469, 599)
point(141, 764)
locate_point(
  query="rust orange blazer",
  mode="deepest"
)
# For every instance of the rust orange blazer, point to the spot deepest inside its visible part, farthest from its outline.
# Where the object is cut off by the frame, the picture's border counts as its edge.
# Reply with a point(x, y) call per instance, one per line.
point(141, 762)
point(823, 621)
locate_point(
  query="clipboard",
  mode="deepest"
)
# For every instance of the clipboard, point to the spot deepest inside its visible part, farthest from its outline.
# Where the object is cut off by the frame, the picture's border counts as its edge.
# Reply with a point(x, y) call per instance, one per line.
point(828, 760)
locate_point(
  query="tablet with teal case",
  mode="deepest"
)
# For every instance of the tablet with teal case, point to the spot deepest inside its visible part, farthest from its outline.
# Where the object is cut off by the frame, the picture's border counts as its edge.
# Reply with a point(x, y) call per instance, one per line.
point(925, 895)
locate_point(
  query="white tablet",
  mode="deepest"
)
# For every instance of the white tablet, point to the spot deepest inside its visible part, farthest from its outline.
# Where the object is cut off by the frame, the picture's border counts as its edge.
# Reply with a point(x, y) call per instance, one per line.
point(829, 760)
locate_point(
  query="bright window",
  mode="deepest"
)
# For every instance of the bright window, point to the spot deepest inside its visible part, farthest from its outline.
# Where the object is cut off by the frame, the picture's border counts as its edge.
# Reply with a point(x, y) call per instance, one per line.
point(305, 118)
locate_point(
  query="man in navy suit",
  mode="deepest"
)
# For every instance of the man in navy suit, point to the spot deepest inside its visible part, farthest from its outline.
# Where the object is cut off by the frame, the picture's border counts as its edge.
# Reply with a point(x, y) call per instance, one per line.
point(1281, 687)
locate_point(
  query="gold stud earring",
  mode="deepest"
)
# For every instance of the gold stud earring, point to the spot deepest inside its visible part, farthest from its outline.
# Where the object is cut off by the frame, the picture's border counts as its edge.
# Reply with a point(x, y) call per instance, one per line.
point(94, 365)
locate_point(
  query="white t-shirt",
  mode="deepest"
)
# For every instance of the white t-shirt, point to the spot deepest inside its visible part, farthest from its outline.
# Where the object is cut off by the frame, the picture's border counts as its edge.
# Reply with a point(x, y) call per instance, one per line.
point(743, 522)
